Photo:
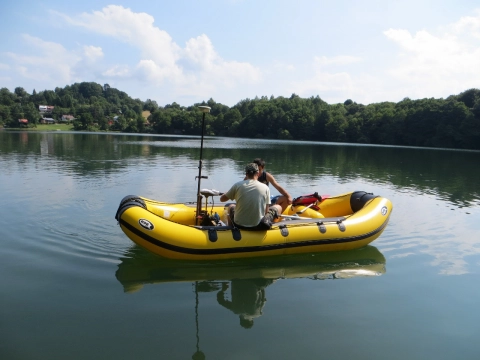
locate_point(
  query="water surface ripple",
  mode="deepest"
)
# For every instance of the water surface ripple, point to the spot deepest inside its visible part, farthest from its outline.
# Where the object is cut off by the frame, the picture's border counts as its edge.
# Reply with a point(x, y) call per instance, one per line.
point(74, 286)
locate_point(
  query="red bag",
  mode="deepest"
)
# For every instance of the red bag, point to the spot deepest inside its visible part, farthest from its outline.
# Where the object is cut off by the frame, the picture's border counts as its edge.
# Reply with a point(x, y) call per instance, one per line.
point(306, 200)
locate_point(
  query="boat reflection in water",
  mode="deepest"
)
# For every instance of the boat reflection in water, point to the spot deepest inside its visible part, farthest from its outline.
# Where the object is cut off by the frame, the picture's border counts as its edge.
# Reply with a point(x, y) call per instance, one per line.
point(240, 284)
point(139, 267)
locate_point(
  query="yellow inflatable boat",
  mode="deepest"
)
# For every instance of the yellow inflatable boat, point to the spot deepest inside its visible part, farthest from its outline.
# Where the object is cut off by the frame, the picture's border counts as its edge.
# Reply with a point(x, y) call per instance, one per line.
point(344, 222)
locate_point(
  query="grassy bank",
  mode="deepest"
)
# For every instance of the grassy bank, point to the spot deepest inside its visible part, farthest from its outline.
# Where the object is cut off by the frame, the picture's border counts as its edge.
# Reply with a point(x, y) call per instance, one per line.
point(46, 127)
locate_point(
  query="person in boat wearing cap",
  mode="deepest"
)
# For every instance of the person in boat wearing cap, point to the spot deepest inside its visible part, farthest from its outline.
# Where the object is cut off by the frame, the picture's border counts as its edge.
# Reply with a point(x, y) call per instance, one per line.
point(266, 178)
point(252, 210)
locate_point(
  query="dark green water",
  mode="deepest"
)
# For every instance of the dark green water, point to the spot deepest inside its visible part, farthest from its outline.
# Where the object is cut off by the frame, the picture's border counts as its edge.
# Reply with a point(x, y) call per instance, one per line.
point(73, 286)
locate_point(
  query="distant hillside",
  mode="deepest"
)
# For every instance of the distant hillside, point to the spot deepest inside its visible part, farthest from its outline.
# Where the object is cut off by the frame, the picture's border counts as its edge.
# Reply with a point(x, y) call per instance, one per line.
point(453, 122)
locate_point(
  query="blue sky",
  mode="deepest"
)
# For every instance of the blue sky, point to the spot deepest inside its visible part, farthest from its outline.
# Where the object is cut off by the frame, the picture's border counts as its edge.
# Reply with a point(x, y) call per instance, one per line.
point(229, 50)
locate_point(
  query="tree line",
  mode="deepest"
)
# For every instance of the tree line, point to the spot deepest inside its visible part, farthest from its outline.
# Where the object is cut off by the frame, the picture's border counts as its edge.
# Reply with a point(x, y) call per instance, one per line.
point(453, 122)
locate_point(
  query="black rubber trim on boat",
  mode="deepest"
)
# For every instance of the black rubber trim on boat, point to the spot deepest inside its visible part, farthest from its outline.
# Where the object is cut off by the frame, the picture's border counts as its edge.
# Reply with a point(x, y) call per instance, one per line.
point(321, 227)
point(216, 228)
point(212, 235)
point(236, 234)
point(284, 230)
point(358, 199)
point(247, 249)
point(128, 202)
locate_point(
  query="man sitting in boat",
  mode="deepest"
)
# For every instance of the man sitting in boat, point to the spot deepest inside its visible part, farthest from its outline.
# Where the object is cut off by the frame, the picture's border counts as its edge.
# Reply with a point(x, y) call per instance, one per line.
point(252, 210)
point(266, 178)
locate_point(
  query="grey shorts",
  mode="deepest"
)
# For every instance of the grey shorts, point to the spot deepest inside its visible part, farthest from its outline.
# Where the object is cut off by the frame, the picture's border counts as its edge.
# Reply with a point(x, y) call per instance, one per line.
point(264, 224)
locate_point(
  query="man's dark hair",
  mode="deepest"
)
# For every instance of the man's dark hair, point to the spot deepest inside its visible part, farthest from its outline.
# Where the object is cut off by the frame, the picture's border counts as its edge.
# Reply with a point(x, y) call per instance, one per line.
point(246, 323)
point(259, 162)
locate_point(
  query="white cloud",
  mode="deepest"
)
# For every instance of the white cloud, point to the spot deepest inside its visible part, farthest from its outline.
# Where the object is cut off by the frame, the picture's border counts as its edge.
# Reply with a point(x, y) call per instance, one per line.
point(158, 62)
point(280, 66)
point(92, 53)
point(200, 52)
point(150, 71)
point(336, 60)
point(120, 71)
point(427, 64)
point(332, 86)
point(468, 25)
point(161, 59)
point(438, 64)
point(52, 62)
point(135, 29)
point(188, 71)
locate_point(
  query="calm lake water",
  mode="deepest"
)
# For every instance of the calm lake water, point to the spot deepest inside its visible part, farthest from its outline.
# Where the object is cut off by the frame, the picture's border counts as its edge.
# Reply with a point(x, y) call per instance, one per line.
point(73, 286)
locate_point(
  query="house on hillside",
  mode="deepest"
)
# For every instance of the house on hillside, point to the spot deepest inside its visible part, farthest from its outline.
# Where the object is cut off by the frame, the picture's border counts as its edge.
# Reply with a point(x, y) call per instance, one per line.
point(46, 120)
point(45, 108)
point(67, 118)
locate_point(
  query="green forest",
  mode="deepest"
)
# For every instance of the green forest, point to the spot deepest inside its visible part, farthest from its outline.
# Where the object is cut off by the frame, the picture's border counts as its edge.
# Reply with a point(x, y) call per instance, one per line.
point(453, 122)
